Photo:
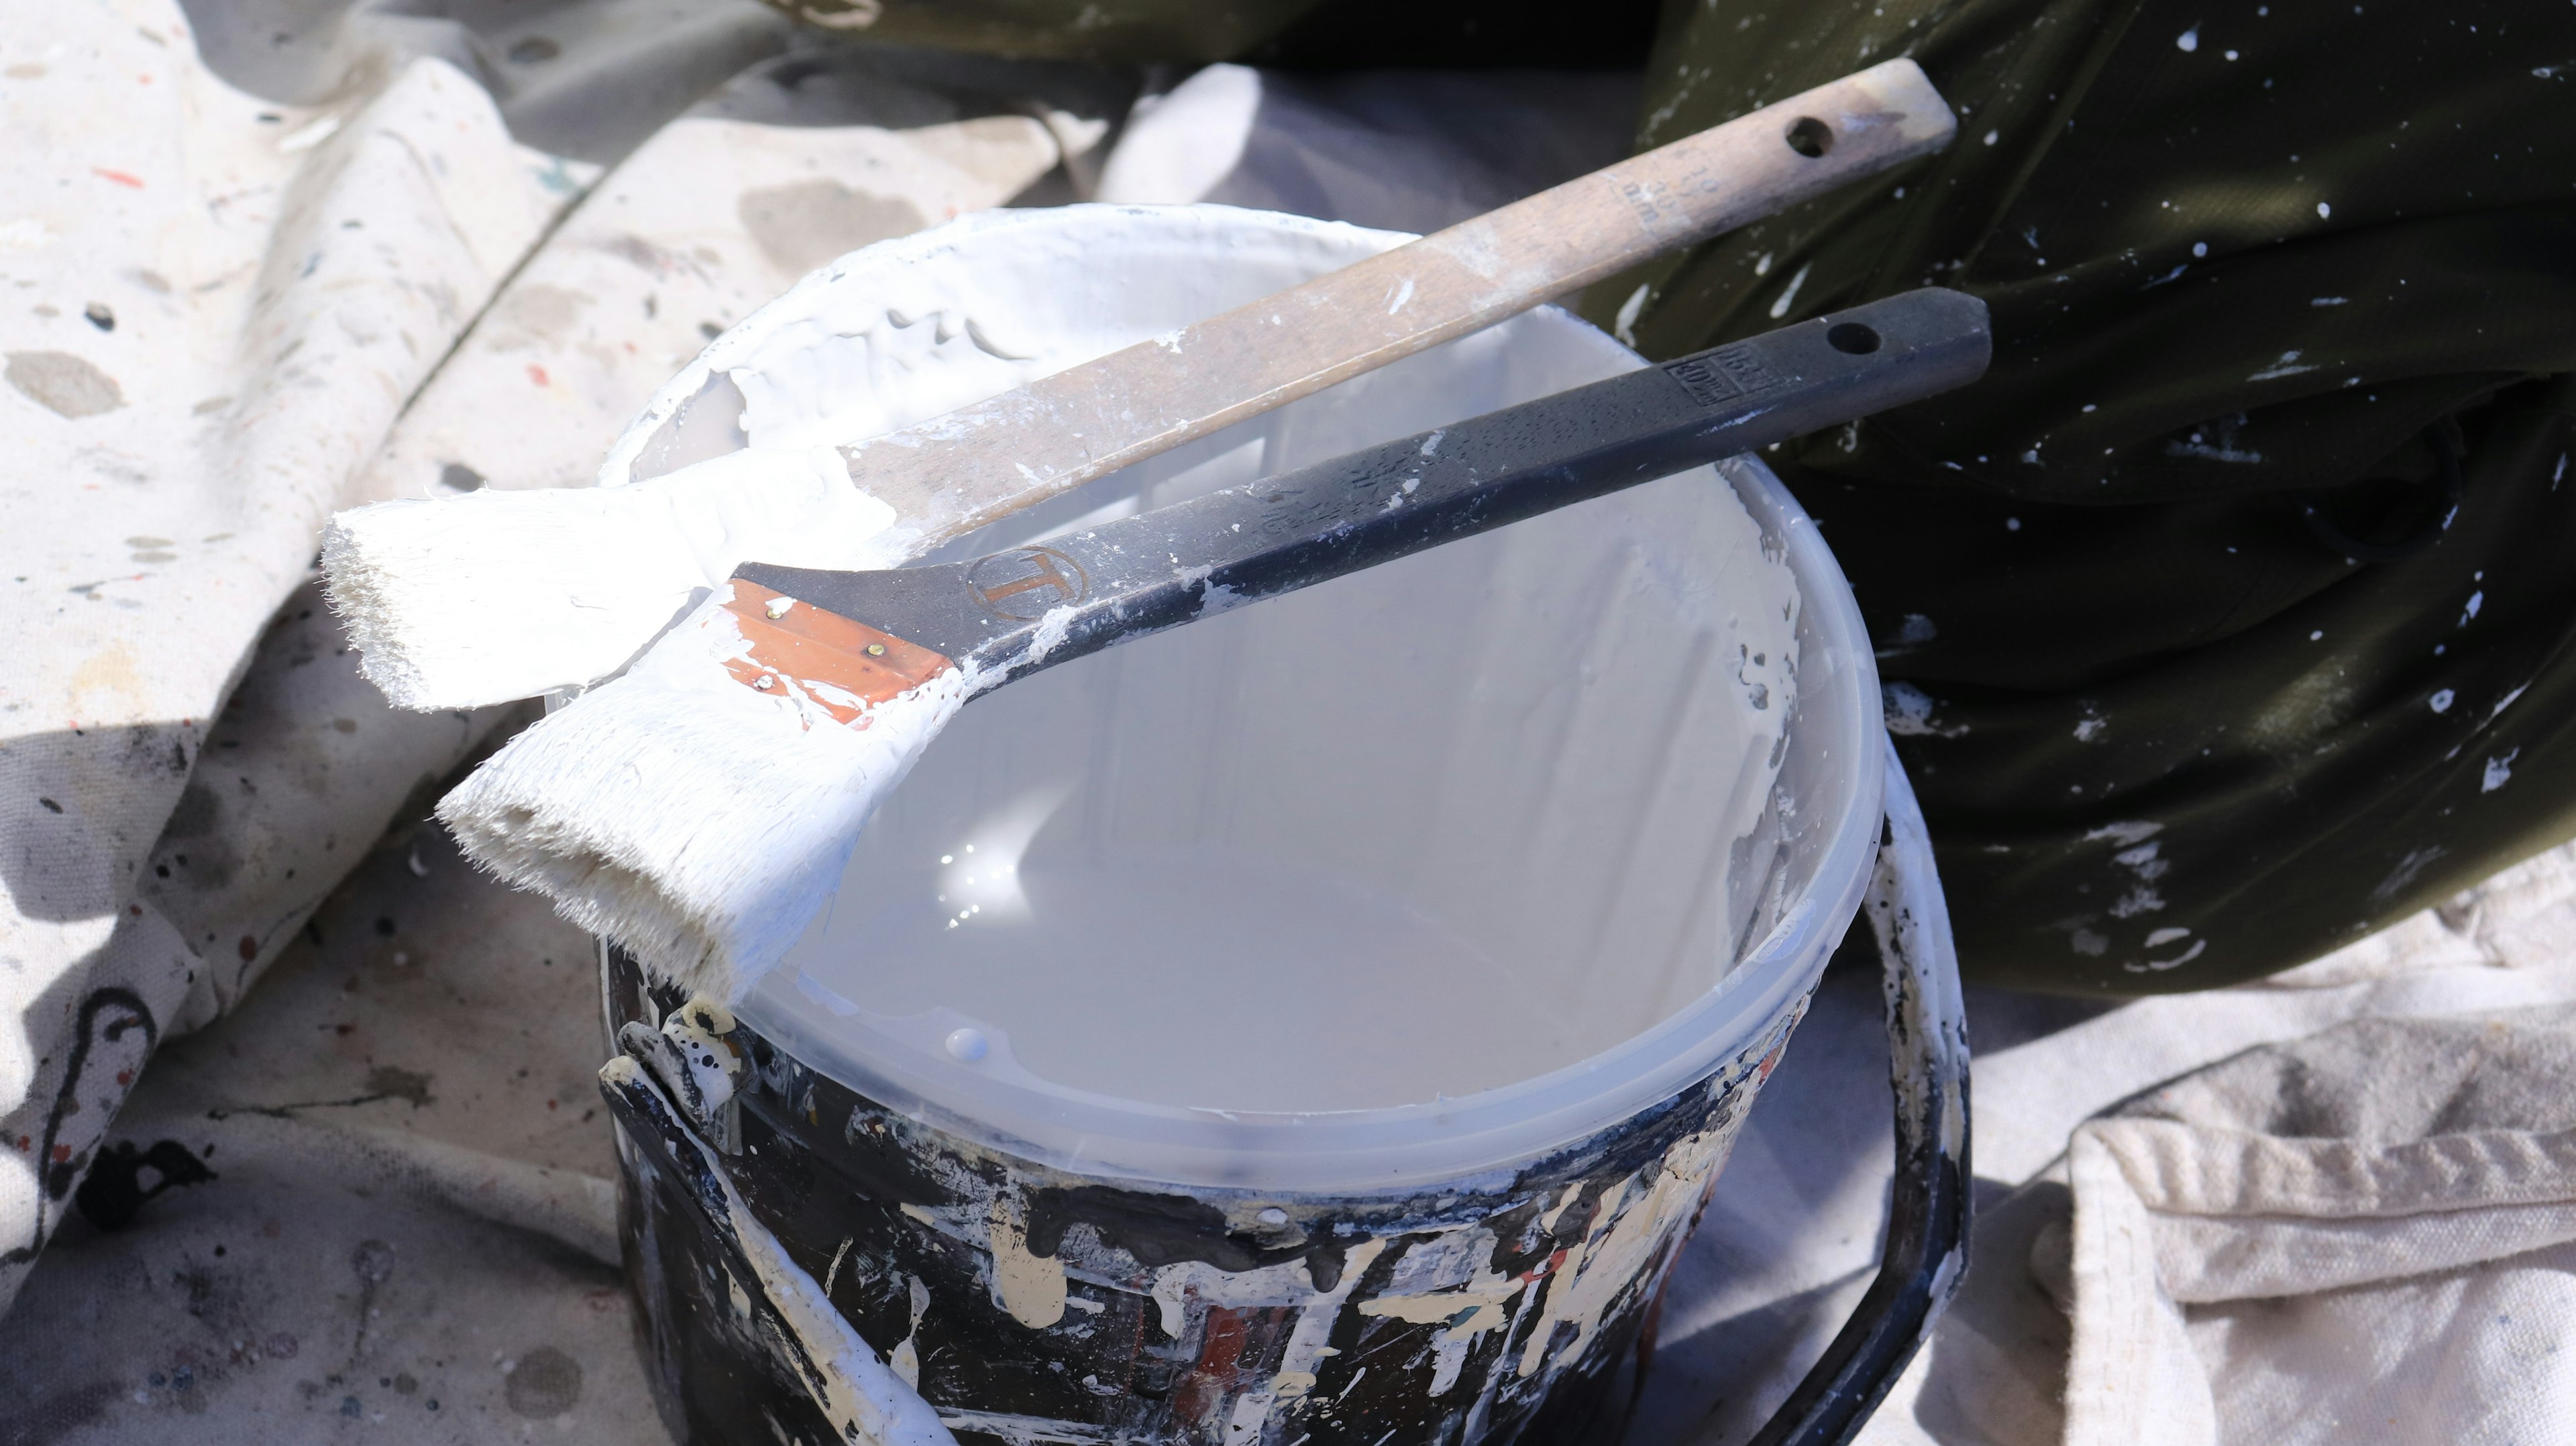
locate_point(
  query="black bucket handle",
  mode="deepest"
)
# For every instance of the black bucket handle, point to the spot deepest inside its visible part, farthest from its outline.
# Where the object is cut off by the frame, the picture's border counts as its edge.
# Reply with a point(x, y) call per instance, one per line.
point(1927, 1226)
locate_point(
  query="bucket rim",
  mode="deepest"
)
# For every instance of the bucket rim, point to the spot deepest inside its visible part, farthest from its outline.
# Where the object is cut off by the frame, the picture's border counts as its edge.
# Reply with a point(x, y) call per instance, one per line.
point(1453, 1142)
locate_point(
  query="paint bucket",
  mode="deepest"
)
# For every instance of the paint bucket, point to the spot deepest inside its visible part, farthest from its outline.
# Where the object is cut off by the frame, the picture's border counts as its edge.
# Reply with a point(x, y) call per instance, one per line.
point(1319, 1024)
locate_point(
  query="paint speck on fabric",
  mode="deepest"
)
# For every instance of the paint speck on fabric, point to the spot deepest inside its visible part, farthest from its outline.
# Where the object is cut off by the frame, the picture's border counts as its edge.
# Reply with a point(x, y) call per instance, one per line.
point(2412, 864)
point(543, 1384)
point(63, 383)
point(1909, 713)
point(801, 225)
point(2144, 861)
point(1789, 293)
point(2499, 771)
point(1912, 633)
point(1624, 325)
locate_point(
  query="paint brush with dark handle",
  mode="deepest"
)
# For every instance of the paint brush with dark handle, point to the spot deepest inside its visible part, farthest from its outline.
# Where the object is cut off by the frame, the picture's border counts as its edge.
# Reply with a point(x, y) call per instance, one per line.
point(871, 636)
point(770, 722)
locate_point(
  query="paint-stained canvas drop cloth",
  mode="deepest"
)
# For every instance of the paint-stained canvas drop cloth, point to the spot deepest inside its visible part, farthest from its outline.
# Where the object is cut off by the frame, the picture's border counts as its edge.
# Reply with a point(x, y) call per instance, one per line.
point(228, 315)
point(216, 307)
point(2331, 1206)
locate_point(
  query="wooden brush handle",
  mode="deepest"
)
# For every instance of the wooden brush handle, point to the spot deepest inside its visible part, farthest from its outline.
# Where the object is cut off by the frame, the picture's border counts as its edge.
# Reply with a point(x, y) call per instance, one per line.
point(955, 473)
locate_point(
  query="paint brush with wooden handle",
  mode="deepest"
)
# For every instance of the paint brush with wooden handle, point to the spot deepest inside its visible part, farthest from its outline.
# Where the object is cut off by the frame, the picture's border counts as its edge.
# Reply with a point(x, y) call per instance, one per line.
point(699, 810)
point(496, 595)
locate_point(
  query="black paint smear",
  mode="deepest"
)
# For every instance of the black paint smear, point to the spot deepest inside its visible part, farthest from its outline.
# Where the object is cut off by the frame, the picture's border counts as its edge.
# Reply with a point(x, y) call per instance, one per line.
point(384, 1082)
point(56, 1417)
point(61, 1174)
point(1156, 1229)
point(115, 1191)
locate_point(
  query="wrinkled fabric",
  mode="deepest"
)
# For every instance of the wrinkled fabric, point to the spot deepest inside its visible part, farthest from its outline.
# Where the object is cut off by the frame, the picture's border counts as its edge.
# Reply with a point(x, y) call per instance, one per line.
point(242, 314)
point(2241, 265)
point(1397, 150)
point(2337, 1194)
point(223, 305)
point(380, 1196)
point(371, 1187)
point(2194, 1212)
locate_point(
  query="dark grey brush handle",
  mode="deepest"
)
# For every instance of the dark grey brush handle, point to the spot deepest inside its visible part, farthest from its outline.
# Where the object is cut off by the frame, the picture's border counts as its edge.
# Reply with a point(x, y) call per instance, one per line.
point(1104, 585)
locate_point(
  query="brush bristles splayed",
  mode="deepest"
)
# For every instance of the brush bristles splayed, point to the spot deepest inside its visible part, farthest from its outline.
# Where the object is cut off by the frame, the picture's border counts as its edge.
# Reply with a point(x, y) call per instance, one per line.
point(694, 820)
point(495, 595)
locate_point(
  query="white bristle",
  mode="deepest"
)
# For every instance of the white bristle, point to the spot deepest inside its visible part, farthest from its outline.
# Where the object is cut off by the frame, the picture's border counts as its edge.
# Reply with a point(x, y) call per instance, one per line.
point(496, 595)
point(696, 822)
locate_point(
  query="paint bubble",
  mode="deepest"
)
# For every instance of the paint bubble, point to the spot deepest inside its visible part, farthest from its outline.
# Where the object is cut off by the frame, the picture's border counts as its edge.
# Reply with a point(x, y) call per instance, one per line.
point(967, 1045)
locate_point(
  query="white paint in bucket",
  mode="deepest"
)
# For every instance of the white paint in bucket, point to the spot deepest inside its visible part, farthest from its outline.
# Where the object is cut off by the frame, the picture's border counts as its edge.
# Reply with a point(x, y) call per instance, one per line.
point(1424, 831)
point(1420, 872)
